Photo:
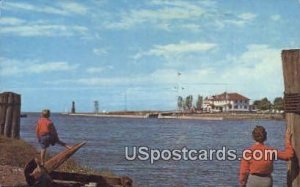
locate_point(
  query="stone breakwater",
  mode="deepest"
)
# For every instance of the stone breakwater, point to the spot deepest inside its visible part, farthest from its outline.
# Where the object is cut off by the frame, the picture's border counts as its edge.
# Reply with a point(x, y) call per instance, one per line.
point(183, 116)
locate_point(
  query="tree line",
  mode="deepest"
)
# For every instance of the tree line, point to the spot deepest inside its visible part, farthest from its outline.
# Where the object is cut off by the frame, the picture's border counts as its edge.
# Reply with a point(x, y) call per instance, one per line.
point(186, 104)
point(265, 104)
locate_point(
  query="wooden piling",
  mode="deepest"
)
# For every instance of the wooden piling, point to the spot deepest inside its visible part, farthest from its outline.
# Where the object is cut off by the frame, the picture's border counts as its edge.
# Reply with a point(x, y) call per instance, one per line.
point(3, 106)
point(291, 73)
point(9, 115)
point(10, 109)
point(15, 130)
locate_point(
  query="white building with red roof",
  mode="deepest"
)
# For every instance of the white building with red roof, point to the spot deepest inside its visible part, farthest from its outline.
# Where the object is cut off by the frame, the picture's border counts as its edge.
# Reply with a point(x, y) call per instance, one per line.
point(226, 102)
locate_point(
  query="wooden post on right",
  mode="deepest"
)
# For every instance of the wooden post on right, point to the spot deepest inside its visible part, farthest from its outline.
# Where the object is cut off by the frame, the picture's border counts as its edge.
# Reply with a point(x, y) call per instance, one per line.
point(291, 74)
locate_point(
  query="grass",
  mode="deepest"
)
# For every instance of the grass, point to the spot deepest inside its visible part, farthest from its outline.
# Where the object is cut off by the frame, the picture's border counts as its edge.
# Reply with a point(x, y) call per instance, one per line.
point(15, 152)
point(18, 153)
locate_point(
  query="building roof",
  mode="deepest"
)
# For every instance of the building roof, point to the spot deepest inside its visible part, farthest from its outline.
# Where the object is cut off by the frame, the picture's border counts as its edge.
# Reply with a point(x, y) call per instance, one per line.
point(227, 96)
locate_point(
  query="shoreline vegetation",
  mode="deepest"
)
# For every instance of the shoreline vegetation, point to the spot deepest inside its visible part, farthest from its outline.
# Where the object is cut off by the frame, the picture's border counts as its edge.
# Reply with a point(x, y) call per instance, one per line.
point(15, 154)
point(185, 116)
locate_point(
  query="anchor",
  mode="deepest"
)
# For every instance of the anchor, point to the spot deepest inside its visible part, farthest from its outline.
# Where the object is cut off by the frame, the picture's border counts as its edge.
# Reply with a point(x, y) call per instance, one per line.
point(35, 173)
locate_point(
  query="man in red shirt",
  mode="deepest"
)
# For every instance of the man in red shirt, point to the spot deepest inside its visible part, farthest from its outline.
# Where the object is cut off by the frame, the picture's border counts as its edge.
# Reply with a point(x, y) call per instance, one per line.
point(47, 134)
point(257, 162)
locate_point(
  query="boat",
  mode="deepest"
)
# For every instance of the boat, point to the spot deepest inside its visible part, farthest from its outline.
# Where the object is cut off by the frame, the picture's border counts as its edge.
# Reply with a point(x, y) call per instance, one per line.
point(23, 115)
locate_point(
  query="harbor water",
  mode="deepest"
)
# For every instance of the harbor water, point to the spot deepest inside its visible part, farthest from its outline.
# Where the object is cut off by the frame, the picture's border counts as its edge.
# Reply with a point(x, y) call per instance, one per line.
point(107, 138)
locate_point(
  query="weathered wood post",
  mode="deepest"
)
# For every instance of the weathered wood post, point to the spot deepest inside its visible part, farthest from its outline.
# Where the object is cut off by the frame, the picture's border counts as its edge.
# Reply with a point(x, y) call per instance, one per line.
point(3, 106)
point(291, 73)
point(15, 129)
point(9, 115)
point(10, 109)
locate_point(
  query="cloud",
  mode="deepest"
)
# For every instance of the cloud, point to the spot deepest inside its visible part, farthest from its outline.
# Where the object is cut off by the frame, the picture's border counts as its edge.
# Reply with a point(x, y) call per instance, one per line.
point(178, 15)
point(13, 67)
point(240, 20)
point(257, 71)
point(100, 81)
point(95, 70)
point(43, 30)
point(61, 8)
point(161, 83)
point(11, 21)
point(191, 27)
point(171, 50)
point(20, 27)
point(51, 67)
point(167, 77)
point(29, 7)
point(73, 8)
point(275, 17)
point(163, 13)
point(100, 51)
point(170, 76)
point(247, 16)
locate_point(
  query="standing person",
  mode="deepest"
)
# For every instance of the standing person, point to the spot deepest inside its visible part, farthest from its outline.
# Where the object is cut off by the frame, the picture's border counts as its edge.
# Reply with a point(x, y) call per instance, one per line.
point(257, 162)
point(47, 134)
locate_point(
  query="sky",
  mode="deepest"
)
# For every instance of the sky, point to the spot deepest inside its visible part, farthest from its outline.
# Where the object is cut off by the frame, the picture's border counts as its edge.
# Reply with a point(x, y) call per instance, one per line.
point(142, 54)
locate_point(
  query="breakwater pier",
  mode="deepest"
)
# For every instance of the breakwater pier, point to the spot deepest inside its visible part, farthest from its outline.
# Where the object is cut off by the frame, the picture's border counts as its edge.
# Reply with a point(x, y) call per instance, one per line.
point(184, 116)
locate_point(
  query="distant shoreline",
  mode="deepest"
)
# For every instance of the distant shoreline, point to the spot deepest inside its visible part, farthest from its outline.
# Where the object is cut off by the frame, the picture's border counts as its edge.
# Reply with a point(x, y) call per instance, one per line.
point(184, 116)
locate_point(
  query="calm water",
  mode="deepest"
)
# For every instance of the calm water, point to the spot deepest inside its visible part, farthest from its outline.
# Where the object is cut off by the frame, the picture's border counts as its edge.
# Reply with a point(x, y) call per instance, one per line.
point(107, 137)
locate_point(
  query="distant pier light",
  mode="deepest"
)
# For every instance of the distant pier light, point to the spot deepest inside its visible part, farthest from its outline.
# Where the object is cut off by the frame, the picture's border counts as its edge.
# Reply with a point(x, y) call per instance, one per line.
point(73, 110)
point(96, 106)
